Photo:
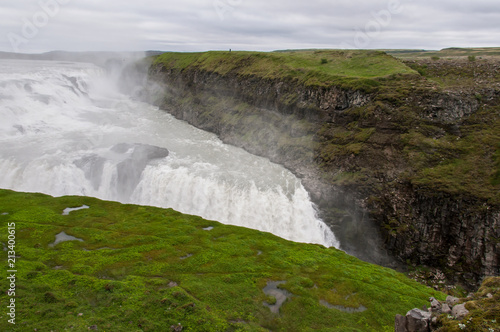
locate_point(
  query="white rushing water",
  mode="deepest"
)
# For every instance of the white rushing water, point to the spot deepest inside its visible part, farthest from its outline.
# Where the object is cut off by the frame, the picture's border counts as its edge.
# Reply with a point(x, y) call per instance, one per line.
point(66, 130)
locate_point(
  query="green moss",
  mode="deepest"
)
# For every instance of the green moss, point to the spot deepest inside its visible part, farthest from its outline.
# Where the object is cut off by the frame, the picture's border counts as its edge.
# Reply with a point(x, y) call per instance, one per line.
point(144, 268)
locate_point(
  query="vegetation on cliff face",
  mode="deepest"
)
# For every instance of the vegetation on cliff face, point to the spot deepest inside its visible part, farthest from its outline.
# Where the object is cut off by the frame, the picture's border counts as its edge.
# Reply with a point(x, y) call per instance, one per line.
point(416, 142)
point(138, 268)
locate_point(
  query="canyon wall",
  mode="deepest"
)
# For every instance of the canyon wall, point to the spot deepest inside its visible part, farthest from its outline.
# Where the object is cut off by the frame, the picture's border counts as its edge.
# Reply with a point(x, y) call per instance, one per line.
point(391, 169)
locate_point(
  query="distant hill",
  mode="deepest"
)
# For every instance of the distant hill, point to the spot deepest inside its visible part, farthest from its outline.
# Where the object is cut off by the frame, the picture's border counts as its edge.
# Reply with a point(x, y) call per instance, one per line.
point(452, 52)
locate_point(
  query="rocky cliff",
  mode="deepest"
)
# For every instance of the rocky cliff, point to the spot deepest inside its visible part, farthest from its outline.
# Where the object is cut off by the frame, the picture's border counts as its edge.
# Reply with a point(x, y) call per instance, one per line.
point(402, 159)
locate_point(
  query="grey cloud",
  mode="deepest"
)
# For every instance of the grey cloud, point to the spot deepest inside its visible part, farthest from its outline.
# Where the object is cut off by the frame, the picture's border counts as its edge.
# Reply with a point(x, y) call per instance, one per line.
point(195, 25)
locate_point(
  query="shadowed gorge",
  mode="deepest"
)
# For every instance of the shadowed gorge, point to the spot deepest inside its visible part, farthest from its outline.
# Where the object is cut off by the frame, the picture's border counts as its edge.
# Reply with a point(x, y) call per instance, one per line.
point(382, 146)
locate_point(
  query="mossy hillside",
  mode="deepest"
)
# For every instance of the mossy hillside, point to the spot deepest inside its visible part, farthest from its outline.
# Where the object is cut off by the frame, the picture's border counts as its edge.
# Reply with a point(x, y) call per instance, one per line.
point(459, 157)
point(348, 69)
point(145, 269)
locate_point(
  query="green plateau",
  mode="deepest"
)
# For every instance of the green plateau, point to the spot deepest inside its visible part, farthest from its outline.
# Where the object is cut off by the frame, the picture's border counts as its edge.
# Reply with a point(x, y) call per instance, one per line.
point(140, 268)
point(349, 69)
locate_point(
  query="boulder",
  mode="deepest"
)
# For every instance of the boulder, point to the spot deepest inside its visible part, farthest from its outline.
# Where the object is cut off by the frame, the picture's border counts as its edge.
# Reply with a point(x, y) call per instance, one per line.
point(459, 311)
point(418, 320)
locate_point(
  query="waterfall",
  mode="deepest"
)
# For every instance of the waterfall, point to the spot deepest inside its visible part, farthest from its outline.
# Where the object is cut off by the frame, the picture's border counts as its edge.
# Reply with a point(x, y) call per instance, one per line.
point(67, 130)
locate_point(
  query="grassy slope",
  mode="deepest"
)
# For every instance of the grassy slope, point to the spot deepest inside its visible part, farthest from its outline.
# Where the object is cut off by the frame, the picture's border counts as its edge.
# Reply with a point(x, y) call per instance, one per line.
point(120, 277)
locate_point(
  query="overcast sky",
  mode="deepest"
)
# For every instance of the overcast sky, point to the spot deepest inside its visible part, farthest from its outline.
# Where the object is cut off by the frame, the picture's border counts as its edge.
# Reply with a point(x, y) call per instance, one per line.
point(32, 26)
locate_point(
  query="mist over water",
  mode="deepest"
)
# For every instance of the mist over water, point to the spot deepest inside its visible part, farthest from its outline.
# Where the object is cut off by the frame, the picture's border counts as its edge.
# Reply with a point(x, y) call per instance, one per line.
point(66, 130)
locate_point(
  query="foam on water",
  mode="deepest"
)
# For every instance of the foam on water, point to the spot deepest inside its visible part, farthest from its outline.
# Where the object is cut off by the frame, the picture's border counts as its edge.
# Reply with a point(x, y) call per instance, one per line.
point(66, 130)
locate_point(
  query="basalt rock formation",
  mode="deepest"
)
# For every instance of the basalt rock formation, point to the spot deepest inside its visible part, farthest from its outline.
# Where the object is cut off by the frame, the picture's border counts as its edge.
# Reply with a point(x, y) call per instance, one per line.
point(406, 163)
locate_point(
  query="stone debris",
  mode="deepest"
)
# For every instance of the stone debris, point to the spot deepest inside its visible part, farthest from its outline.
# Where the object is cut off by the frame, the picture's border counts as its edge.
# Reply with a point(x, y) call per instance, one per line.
point(417, 320)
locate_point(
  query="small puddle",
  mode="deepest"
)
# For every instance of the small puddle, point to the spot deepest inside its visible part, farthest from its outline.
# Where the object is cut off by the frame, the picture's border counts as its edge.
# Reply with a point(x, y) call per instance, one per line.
point(63, 237)
point(5, 213)
point(361, 308)
point(67, 211)
point(281, 295)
